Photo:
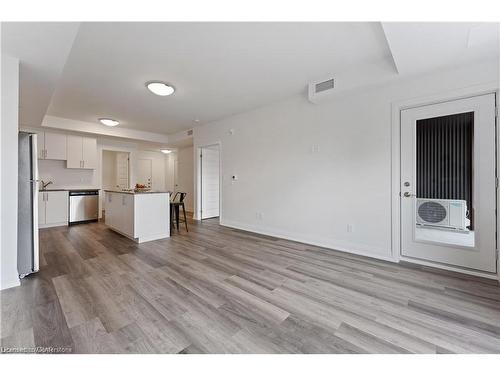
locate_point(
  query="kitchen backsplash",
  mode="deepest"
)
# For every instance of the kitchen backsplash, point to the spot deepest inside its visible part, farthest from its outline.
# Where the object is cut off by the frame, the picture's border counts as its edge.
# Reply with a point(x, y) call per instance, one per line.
point(62, 177)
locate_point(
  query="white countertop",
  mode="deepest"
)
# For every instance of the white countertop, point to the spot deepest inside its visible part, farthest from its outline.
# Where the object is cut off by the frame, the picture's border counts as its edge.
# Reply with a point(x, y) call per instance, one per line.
point(137, 192)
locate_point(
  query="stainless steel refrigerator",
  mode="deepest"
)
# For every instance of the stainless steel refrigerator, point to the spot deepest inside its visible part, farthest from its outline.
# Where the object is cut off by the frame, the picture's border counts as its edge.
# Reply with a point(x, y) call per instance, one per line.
point(27, 225)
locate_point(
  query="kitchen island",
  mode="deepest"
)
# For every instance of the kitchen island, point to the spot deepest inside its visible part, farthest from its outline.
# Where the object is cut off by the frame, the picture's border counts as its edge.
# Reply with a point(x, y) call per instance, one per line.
point(141, 216)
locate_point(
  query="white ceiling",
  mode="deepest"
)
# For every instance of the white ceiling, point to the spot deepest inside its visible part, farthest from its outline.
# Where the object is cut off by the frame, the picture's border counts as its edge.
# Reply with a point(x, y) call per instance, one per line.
point(218, 69)
point(423, 46)
point(42, 49)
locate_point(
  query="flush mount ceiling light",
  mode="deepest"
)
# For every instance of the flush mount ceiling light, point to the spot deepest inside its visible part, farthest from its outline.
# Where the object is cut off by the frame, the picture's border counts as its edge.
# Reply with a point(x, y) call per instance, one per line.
point(166, 151)
point(160, 88)
point(108, 122)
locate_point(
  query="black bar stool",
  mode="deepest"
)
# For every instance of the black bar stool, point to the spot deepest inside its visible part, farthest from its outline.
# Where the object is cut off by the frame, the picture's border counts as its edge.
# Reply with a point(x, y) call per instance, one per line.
point(175, 205)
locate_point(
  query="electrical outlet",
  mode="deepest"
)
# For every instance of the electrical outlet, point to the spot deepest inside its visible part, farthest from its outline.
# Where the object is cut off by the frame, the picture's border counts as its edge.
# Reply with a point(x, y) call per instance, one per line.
point(258, 215)
point(349, 228)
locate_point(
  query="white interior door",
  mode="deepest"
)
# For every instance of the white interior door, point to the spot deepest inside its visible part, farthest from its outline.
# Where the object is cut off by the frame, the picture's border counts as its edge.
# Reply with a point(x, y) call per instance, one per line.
point(144, 172)
point(210, 177)
point(122, 170)
point(448, 183)
point(176, 176)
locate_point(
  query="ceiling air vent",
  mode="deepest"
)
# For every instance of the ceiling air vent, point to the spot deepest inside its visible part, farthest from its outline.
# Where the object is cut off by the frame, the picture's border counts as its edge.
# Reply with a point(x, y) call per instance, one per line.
point(320, 89)
point(190, 132)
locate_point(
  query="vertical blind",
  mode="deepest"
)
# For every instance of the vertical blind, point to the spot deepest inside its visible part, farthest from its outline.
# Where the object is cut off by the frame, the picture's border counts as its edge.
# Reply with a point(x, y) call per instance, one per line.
point(445, 158)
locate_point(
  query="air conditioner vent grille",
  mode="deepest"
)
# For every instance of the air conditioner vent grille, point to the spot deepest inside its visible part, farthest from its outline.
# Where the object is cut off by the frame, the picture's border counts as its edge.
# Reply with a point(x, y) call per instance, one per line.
point(432, 212)
point(325, 85)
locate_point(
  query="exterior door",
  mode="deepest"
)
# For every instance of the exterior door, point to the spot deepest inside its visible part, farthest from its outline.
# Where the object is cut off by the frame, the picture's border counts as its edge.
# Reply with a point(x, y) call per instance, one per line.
point(448, 183)
point(144, 172)
point(210, 182)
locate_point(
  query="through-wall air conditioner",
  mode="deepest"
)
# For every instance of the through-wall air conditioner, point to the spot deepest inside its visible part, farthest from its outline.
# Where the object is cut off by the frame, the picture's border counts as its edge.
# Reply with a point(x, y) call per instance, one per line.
point(321, 89)
point(443, 213)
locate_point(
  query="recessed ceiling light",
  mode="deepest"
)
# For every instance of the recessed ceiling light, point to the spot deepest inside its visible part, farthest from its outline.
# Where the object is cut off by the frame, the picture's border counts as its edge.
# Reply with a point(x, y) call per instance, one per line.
point(166, 151)
point(160, 88)
point(108, 121)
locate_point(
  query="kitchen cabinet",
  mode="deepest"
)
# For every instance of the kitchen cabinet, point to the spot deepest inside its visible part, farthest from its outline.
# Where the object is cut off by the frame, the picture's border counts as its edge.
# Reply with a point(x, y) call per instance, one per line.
point(51, 146)
point(119, 212)
point(89, 153)
point(52, 208)
point(139, 216)
point(81, 152)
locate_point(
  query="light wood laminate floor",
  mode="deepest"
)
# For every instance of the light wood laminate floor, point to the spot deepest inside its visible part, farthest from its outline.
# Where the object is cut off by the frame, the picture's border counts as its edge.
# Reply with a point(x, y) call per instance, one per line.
point(218, 290)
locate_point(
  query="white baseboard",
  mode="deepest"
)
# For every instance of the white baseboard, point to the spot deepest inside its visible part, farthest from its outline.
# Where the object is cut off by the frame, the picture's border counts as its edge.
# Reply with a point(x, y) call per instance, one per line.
point(63, 224)
point(343, 246)
point(486, 275)
point(6, 284)
point(152, 237)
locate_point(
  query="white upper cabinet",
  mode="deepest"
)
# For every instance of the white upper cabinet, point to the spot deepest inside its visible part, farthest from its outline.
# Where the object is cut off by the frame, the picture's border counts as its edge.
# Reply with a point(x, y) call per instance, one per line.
point(89, 152)
point(81, 152)
point(74, 151)
point(51, 146)
point(55, 146)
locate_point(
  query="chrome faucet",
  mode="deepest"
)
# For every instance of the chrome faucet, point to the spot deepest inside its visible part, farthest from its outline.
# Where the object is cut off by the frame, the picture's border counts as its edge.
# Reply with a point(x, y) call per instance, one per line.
point(45, 184)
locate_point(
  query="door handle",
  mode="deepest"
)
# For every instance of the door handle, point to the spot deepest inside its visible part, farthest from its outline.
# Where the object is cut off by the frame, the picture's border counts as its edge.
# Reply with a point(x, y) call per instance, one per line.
point(407, 194)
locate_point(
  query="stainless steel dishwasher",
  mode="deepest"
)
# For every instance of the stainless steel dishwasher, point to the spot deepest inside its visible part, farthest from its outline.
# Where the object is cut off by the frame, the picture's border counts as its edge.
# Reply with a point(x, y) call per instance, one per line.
point(83, 206)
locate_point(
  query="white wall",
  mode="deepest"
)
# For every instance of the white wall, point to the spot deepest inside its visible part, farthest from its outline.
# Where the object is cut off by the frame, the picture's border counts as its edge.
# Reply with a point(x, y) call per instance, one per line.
point(108, 172)
point(306, 171)
point(108, 169)
point(9, 164)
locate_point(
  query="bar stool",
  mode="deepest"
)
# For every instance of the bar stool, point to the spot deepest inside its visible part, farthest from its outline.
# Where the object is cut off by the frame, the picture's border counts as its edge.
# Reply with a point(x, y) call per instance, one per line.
point(175, 206)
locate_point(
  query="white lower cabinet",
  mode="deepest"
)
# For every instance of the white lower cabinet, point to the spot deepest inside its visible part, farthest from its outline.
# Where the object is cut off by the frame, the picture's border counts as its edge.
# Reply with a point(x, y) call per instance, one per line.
point(52, 208)
point(119, 211)
point(140, 217)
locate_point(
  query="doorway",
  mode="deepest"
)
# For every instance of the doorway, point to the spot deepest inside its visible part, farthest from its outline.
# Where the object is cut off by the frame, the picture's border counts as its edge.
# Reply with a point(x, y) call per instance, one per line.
point(122, 170)
point(144, 172)
point(115, 172)
point(210, 181)
point(448, 183)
